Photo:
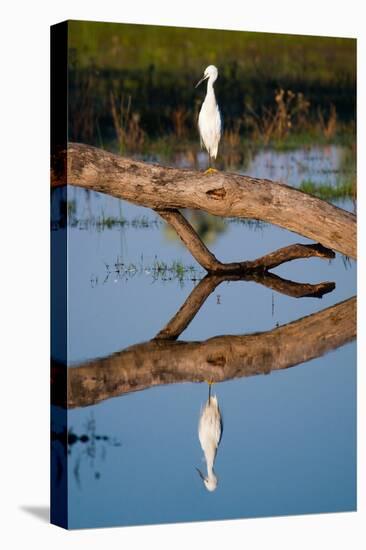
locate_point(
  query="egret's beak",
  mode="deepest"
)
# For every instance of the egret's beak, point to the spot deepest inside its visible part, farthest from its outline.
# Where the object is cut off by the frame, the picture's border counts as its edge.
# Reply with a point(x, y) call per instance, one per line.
point(200, 474)
point(202, 79)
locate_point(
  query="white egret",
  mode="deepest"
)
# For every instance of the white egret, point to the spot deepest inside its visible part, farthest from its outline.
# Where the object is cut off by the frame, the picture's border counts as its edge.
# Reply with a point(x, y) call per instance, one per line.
point(210, 433)
point(209, 120)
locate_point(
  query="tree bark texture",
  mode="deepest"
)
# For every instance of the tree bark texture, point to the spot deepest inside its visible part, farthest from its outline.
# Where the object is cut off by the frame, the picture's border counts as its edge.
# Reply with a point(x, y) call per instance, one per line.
point(221, 193)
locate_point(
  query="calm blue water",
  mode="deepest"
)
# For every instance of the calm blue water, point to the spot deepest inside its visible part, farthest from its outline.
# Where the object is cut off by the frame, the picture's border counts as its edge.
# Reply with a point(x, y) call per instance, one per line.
point(289, 440)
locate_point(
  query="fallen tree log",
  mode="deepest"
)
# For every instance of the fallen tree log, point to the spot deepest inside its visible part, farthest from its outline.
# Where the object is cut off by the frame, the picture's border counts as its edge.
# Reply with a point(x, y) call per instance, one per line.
point(218, 359)
point(221, 194)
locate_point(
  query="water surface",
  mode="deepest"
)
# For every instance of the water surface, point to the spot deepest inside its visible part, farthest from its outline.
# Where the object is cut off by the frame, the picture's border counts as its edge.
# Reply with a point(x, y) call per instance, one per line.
point(288, 445)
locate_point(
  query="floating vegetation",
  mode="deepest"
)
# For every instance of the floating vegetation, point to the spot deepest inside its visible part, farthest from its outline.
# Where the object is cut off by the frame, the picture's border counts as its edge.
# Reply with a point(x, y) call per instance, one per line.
point(87, 447)
point(341, 190)
point(157, 270)
point(100, 223)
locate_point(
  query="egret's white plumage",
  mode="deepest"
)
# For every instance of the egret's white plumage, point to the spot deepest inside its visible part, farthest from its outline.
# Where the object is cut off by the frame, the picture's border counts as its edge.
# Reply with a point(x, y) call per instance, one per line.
point(209, 433)
point(209, 120)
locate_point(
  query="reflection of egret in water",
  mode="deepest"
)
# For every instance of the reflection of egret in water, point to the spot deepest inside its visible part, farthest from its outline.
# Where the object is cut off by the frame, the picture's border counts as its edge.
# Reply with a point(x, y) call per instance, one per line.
point(210, 432)
point(208, 227)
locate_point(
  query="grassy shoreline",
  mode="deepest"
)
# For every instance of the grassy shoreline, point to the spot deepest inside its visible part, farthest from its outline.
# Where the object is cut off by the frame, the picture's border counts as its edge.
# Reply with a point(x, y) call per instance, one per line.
point(137, 82)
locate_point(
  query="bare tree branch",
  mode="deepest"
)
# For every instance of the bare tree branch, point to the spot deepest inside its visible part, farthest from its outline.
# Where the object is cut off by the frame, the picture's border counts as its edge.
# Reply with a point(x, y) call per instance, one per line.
point(222, 194)
point(207, 260)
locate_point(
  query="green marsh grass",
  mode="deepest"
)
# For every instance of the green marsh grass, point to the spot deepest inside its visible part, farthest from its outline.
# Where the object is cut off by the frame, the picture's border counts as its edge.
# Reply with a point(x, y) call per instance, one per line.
point(158, 270)
point(135, 84)
point(327, 192)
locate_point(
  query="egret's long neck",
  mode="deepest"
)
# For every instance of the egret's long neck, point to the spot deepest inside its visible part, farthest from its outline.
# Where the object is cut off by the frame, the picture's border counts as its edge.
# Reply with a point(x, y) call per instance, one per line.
point(210, 88)
point(210, 455)
point(211, 476)
point(210, 470)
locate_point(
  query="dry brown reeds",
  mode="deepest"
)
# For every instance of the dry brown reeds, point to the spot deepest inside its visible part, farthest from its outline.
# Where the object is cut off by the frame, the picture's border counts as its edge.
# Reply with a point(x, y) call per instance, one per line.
point(328, 126)
point(276, 122)
point(127, 126)
point(232, 151)
point(179, 120)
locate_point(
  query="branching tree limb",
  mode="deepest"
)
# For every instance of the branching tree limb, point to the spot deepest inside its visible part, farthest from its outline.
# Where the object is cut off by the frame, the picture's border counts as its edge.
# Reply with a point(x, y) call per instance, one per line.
point(222, 194)
point(207, 260)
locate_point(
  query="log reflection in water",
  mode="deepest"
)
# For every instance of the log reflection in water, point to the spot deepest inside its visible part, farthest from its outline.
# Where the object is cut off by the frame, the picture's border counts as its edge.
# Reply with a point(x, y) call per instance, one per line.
point(208, 284)
point(220, 358)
